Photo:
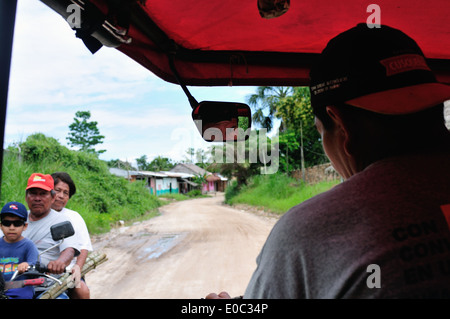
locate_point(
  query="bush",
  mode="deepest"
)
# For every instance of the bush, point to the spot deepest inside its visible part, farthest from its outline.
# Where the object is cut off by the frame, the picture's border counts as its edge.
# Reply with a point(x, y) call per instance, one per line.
point(178, 197)
point(195, 193)
point(275, 192)
point(231, 191)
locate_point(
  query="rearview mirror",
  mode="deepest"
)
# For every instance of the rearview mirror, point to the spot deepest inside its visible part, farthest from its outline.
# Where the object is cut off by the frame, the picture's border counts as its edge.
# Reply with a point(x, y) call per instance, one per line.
point(222, 121)
point(62, 230)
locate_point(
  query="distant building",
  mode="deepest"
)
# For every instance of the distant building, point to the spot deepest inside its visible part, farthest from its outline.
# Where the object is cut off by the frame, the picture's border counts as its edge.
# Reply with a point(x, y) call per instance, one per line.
point(158, 183)
point(177, 180)
point(189, 168)
point(214, 181)
point(185, 184)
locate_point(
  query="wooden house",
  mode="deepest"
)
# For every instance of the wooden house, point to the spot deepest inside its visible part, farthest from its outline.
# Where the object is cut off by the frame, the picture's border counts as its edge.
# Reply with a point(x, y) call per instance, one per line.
point(214, 181)
point(158, 183)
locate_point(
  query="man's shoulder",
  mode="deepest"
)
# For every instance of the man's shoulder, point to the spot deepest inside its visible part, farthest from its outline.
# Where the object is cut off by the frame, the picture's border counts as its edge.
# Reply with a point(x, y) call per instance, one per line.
point(310, 211)
point(44, 224)
point(70, 212)
point(54, 215)
point(380, 181)
point(322, 200)
point(337, 202)
point(72, 215)
point(51, 219)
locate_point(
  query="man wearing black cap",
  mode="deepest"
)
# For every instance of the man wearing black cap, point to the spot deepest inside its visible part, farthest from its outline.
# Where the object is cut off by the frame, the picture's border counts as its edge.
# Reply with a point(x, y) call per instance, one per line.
point(383, 232)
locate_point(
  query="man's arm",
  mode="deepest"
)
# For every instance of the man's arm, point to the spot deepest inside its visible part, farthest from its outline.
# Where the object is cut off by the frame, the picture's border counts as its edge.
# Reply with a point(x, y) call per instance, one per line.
point(81, 258)
point(59, 265)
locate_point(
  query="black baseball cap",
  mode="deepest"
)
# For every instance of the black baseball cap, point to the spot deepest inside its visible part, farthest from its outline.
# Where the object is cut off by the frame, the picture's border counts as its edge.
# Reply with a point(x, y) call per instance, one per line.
point(378, 69)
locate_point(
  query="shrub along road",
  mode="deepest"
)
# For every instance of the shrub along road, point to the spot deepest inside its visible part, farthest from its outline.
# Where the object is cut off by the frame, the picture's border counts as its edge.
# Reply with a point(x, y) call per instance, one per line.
point(195, 247)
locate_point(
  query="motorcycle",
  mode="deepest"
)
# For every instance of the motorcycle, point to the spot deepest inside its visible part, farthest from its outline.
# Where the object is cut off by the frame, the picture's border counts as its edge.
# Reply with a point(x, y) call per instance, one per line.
point(4, 286)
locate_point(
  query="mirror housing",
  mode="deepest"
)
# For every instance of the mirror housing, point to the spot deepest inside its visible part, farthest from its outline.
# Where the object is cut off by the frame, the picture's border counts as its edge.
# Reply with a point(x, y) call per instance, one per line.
point(222, 121)
point(62, 230)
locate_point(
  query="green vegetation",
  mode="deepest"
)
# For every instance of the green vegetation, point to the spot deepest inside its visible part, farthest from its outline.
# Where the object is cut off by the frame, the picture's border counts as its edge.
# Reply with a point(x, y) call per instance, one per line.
point(276, 193)
point(299, 142)
point(159, 163)
point(101, 198)
point(85, 134)
point(196, 193)
point(174, 197)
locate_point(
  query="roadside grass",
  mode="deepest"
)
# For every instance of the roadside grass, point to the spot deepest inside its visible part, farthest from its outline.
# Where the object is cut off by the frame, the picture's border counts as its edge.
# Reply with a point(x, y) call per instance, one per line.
point(173, 197)
point(196, 193)
point(276, 193)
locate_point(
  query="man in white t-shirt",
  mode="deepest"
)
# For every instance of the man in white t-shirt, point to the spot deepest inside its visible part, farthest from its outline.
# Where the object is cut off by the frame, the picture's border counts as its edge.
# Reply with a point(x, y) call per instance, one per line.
point(65, 188)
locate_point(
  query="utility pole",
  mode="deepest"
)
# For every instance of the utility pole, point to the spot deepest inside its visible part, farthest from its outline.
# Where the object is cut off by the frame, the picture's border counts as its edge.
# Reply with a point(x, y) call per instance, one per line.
point(301, 152)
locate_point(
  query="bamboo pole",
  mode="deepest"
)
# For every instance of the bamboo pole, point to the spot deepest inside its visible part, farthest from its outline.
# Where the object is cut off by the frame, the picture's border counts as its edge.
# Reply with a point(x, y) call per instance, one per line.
point(92, 261)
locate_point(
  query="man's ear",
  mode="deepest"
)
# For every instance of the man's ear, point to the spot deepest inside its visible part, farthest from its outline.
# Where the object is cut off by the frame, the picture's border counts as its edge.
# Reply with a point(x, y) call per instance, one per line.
point(341, 127)
point(53, 195)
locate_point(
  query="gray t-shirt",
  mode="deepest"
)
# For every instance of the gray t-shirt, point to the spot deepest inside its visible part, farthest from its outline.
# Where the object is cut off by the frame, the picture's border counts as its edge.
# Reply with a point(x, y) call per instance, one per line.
point(384, 227)
point(39, 232)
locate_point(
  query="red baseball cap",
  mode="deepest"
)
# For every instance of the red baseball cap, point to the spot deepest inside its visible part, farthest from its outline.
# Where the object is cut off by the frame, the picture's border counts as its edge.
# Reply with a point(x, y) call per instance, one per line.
point(43, 181)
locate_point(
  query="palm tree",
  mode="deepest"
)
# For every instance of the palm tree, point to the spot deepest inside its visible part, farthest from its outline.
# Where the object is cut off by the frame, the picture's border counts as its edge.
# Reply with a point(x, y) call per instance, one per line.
point(264, 101)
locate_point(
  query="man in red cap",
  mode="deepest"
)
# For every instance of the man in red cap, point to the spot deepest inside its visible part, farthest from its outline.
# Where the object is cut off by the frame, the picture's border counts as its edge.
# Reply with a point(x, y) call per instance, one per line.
point(383, 232)
point(40, 196)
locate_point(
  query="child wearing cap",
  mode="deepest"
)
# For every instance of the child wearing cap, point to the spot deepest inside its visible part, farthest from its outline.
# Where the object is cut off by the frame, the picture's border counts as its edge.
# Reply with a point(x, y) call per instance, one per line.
point(16, 251)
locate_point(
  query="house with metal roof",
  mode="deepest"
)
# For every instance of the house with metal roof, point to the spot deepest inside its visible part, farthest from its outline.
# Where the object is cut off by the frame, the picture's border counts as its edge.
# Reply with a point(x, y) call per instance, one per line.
point(214, 181)
point(177, 180)
point(158, 183)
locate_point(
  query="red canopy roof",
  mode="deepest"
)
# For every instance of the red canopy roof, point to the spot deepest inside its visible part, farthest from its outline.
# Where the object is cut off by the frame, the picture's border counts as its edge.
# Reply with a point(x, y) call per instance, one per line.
point(222, 42)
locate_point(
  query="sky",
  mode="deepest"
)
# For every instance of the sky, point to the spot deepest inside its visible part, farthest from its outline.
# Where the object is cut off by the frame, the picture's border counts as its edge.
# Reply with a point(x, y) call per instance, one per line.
point(53, 75)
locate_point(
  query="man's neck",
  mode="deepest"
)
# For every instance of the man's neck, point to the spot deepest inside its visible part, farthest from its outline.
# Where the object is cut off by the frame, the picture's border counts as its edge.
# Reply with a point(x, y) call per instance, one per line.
point(34, 218)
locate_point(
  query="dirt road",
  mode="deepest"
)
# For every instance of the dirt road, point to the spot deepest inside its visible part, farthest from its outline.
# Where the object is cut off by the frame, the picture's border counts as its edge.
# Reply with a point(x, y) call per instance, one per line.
point(195, 247)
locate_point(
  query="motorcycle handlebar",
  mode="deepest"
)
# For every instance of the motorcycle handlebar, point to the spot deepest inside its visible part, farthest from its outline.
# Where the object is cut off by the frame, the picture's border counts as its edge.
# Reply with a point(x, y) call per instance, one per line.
point(37, 270)
point(41, 268)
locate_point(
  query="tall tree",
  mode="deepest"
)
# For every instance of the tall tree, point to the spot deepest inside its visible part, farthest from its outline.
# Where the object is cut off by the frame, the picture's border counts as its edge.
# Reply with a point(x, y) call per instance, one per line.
point(264, 103)
point(201, 157)
point(117, 163)
point(190, 152)
point(142, 163)
point(84, 133)
point(160, 163)
point(296, 113)
point(244, 159)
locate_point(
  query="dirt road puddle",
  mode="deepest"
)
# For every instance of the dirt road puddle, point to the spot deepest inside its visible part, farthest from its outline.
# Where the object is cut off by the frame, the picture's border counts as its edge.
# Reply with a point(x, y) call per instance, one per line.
point(156, 247)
